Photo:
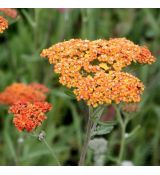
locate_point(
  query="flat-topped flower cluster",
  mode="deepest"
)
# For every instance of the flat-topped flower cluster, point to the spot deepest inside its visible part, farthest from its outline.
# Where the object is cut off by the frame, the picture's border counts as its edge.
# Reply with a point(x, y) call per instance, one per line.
point(94, 69)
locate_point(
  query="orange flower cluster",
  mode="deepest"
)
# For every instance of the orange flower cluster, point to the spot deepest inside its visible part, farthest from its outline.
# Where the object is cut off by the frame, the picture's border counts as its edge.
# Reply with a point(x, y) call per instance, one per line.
point(9, 12)
point(22, 92)
point(29, 115)
point(3, 24)
point(105, 88)
point(94, 68)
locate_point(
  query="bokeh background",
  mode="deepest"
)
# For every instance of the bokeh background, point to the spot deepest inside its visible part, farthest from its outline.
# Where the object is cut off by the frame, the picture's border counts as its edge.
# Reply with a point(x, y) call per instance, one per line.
point(20, 61)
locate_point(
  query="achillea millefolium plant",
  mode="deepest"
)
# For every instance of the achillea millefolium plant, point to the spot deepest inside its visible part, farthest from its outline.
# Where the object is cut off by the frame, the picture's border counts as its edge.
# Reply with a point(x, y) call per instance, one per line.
point(106, 87)
point(94, 70)
point(28, 105)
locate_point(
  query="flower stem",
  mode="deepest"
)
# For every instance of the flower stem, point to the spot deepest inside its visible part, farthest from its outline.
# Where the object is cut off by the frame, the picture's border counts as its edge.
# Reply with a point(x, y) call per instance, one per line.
point(122, 145)
point(52, 152)
point(87, 139)
point(42, 139)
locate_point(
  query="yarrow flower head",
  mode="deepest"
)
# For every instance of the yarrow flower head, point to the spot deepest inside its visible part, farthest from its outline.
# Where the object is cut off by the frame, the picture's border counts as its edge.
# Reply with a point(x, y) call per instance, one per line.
point(28, 116)
point(3, 24)
point(22, 92)
point(9, 12)
point(94, 69)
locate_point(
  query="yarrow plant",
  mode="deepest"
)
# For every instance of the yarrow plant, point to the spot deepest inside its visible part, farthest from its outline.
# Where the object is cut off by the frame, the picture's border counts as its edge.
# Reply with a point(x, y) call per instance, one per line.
point(27, 103)
point(94, 70)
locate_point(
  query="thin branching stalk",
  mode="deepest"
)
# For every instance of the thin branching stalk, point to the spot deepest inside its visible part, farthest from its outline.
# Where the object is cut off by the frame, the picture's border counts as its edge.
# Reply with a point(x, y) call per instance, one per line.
point(52, 152)
point(123, 123)
point(41, 137)
point(122, 145)
point(87, 139)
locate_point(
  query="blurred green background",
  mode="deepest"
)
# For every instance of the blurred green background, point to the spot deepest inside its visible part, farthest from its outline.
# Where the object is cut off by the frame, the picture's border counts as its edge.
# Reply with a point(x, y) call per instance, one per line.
point(20, 47)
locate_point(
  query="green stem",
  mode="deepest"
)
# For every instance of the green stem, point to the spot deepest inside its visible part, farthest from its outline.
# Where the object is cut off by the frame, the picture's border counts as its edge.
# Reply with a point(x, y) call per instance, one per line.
point(87, 139)
point(48, 146)
point(52, 152)
point(122, 145)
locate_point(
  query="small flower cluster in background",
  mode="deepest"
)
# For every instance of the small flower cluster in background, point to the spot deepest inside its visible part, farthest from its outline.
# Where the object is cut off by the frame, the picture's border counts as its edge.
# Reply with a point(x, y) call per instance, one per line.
point(22, 92)
point(27, 103)
point(7, 12)
point(94, 69)
point(3, 24)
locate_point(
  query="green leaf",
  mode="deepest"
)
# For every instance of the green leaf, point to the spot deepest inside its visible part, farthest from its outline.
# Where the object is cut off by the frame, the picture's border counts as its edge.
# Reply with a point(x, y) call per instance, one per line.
point(101, 130)
point(29, 18)
point(8, 139)
point(10, 146)
point(98, 113)
point(108, 123)
point(70, 93)
point(61, 94)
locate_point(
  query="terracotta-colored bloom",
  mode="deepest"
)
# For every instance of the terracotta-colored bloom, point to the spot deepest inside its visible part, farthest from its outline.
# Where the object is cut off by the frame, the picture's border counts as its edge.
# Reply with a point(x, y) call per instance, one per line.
point(94, 68)
point(9, 12)
point(3, 24)
point(21, 92)
point(28, 116)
